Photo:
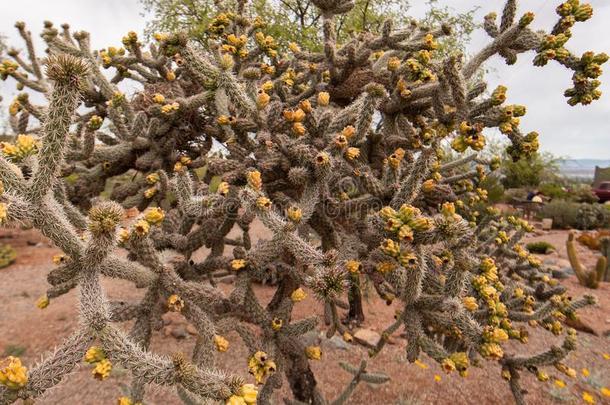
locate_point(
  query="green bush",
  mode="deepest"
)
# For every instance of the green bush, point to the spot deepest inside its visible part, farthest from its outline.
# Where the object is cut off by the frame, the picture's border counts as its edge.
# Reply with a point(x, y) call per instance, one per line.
point(540, 247)
point(592, 216)
point(562, 212)
point(583, 193)
point(494, 188)
point(568, 214)
point(554, 191)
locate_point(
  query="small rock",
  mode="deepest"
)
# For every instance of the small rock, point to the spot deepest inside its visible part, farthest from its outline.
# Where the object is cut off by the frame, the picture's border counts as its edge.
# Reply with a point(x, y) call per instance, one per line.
point(178, 332)
point(337, 342)
point(367, 337)
point(191, 329)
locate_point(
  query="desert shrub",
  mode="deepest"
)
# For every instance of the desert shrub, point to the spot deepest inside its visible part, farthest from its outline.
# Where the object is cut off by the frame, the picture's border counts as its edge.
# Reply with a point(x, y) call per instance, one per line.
point(540, 247)
point(568, 214)
point(554, 191)
point(592, 216)
point(564, 213)
point(531, 172)
point(337, 153)
point(583, 193)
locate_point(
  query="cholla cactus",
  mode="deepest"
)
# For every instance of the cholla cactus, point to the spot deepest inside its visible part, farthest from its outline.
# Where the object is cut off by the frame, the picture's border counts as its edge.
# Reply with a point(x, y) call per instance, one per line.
point(343, 144)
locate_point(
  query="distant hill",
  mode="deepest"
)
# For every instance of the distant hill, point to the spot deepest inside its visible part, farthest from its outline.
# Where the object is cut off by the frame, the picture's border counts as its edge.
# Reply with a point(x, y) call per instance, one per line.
point(582, 168)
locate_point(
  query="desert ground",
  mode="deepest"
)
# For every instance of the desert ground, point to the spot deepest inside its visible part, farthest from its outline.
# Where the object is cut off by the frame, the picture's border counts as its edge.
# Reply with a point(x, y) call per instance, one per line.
point(28, 332)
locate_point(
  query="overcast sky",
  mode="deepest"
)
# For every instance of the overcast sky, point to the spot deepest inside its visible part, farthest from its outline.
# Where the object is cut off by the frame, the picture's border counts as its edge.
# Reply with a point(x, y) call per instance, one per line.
point(576, 132)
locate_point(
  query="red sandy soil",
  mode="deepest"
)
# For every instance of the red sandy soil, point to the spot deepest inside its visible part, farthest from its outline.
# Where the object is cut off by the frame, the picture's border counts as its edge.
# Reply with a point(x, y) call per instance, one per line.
point(29, 332)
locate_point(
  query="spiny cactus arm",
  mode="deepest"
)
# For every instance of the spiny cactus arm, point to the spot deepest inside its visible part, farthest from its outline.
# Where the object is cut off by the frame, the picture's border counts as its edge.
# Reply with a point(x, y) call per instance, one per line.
point(11, 177)
point(360, 374)
point(551, 356)
point(67, 73)
point(17, 210)
point(164, 371)
point(409, 188)
point(386, 335)
point(588, 278)
point(500, 42)
point(52, 369)
point(75, 217)
point(446, 167)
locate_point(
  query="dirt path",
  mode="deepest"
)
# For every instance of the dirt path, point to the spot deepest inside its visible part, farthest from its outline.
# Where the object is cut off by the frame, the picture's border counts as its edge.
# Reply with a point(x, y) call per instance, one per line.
point(28, 331)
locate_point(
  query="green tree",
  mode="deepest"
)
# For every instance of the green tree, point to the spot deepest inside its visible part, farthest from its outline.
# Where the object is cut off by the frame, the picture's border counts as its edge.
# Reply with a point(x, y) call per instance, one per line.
point(299, 20)
point(539, 168)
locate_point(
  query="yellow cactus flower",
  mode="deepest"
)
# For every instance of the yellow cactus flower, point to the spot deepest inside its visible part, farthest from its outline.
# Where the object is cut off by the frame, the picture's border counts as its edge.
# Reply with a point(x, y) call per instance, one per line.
point(175, 303)
point(59, 259)
point(588, 398)
point(152, 178)
point(437, 378)
point(340, 141)
point(124, 401)
point(353, 266)
point(298, 129)
point(391, 248)
point(170, 76)
point(123, 235)
point(448, 365)
point(492, 351)
point(154, 216)
point(352, 153)
point(3, 212)
point(238, 264)
point(313, 352)
point(158, 98)
point(142, 227)
point(102, 369)
point(305, 105)
point(263, 203)
point(393, 63)
point(298, 295)
point(276, 324)
point(150, 192)
point(386, 267)
point(560, 383)
point(323, 98)
point(249, 393)
point(94, 354)
point(294, 213)
point(168, 109)
point(420, 364)
point(223, 188)
point(262, 99)
point(42, 302)
point(13, 374)
point(222, 344)
point(254, 179)
point(470, 303)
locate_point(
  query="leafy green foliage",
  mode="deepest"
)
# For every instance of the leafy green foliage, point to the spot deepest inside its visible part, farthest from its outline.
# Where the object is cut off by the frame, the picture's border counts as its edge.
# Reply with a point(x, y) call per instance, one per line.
point(540, 247)
point(539, 168)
